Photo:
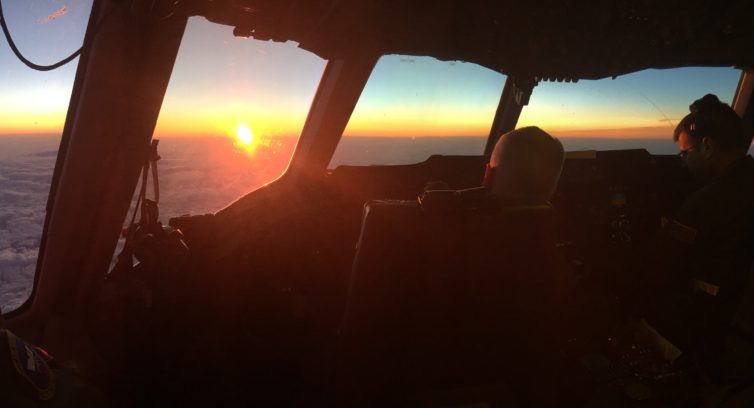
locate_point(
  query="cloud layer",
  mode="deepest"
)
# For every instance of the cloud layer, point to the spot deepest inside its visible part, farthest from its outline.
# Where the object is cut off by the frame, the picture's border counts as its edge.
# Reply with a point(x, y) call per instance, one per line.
point(197, 176)
point(25, 174)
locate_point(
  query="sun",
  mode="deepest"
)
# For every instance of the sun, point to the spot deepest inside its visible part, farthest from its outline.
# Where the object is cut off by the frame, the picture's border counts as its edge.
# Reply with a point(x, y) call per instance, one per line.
point(244, 135)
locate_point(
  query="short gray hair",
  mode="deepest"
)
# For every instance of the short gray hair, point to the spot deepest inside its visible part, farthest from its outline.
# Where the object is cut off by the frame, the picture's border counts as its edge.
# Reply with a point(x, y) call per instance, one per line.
point(526, 164)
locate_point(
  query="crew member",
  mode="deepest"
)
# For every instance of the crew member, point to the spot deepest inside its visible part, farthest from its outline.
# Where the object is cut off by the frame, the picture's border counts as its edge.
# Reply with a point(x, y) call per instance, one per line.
point(525, 166)
point(697, 281)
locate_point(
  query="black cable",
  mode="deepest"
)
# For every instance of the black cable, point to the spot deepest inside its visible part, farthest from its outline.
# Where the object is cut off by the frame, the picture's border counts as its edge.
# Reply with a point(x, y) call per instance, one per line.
point(26, 61)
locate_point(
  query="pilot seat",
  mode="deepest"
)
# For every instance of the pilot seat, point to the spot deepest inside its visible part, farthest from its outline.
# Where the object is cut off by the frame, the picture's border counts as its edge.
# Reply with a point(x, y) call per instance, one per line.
point(453, 298)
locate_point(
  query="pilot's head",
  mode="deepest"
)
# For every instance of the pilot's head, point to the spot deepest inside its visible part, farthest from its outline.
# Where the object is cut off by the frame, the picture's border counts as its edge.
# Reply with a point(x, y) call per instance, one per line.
point(710, 137)
point(525, 165)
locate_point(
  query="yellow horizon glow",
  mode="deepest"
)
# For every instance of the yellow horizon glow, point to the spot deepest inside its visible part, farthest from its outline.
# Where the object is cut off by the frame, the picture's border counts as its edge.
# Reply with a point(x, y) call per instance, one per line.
point(224, 122)
point(14, 121)
point(35, 110)
point(223, 119)
point(660, 132)
point(412, 122)
point(244, 134)
point(44, 111)
point(609, 122)
point(245, 139)
point(639, 132)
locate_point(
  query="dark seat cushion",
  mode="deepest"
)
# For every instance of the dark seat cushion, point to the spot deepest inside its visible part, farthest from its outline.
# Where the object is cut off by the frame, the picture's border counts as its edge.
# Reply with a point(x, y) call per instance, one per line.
point(451, 294)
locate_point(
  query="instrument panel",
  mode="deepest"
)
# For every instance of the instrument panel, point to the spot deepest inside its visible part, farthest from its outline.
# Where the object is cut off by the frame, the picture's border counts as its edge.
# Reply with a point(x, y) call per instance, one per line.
point(610, 203)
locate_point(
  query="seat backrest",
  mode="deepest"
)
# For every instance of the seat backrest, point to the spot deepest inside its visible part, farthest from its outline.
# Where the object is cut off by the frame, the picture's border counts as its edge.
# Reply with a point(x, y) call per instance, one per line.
point(448, 294)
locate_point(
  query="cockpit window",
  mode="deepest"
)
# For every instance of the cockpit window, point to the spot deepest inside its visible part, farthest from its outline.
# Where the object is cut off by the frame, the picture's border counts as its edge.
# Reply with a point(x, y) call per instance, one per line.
point(413, 107)
point(231, 116)
point(638, 110)
point(33, 107)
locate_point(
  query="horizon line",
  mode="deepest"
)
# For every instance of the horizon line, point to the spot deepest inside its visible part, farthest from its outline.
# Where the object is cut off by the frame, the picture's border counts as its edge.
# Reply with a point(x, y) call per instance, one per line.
point(591, 134)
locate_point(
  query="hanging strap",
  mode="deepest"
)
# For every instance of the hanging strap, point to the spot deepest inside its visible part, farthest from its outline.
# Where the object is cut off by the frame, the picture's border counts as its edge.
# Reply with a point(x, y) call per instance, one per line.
point(153, 157)
point(149, 210)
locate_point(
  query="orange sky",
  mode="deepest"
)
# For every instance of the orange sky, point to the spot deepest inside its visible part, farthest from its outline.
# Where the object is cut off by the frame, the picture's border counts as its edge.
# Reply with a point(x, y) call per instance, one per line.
point(224, 123)
point(269, 124)
point(656, 132)
point(220, 82)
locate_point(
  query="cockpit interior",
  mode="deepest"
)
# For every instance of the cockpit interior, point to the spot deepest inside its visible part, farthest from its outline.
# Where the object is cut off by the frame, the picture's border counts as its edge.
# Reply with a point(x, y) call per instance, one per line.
point(346, 281)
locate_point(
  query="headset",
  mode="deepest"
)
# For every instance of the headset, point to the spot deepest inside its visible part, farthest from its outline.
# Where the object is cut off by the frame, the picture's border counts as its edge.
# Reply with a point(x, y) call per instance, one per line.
point(711, 118)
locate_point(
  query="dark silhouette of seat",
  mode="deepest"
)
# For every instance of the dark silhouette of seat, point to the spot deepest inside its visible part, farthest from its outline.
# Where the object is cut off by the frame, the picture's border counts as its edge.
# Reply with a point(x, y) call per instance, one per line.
point(451, 292)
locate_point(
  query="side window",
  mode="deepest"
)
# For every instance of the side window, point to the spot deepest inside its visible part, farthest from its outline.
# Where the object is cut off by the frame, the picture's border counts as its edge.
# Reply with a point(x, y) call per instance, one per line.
point(413, 107)
point(638, 110)
point(33, 106)
point(231, 117)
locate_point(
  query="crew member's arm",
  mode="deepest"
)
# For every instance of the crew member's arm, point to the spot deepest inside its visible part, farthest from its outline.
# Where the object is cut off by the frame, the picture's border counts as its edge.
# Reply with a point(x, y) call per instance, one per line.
point(664, 263)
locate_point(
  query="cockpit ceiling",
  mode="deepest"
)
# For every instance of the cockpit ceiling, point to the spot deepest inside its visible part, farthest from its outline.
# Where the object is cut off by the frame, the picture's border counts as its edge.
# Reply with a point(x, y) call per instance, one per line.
point(554, 39)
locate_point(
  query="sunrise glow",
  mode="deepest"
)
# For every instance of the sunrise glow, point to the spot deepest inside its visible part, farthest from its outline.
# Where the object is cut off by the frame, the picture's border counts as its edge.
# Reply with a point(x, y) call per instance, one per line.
point(244, 135)
point(258, 92)
point(245, 138)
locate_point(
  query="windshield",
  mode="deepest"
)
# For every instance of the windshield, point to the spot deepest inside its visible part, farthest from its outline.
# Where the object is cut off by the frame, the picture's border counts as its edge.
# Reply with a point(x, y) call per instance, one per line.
point(638, 110)
point(33, 106)
point(230, 119)
point(231, 116)
point(414, 107)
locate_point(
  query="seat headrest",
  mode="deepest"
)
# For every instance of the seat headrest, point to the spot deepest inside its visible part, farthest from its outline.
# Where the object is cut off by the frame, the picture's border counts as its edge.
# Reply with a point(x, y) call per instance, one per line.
point(474, 200)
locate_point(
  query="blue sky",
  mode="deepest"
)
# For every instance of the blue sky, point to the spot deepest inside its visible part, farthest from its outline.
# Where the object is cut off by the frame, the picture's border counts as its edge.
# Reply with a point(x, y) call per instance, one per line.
point(30, 100)
point(220, 82)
